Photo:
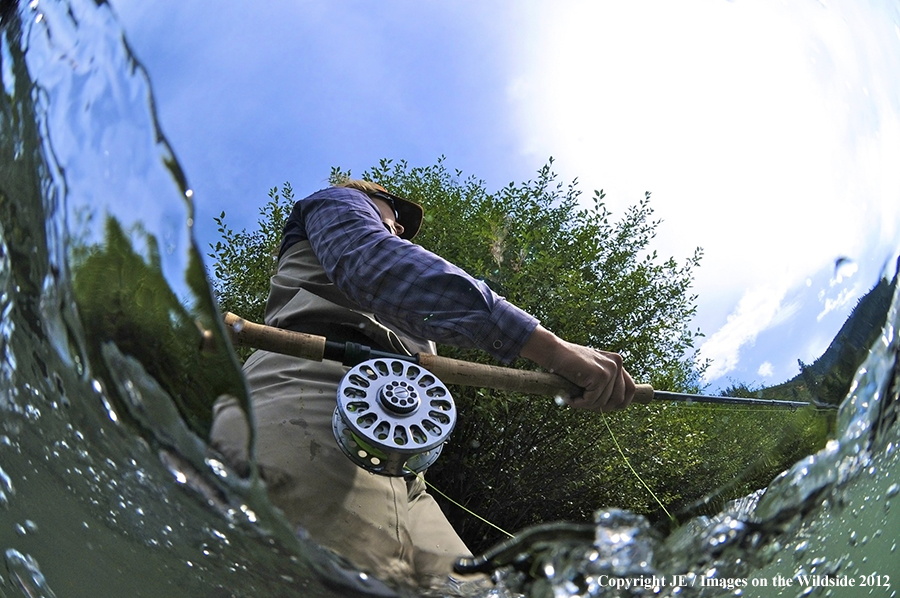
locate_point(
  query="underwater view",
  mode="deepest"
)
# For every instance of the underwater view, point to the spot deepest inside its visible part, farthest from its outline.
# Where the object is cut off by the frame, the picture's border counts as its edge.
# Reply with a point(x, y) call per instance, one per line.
point(113, 351)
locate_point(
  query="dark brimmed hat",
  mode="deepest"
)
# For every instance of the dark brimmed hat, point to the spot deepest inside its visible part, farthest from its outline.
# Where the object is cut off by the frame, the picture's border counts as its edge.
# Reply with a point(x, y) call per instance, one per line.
point(408, 213)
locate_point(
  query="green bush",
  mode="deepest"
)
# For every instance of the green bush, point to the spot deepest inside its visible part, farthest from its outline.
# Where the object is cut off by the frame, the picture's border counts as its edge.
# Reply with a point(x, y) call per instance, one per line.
point(591, 279)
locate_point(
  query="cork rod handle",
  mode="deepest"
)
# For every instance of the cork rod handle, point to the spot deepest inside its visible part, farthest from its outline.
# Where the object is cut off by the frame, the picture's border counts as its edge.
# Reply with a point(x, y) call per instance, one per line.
point(449, 371)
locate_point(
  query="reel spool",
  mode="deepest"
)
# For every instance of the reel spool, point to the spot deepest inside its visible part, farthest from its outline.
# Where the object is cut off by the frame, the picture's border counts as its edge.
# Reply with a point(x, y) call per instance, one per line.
point(392, 416)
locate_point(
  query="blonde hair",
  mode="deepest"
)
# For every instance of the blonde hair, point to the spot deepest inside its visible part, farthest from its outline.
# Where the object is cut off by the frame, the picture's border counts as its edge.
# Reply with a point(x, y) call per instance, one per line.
point(366, 187)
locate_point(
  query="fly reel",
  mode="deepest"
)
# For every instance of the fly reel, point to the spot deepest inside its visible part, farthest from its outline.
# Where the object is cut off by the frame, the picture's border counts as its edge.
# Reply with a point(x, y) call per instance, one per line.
point(392, 416)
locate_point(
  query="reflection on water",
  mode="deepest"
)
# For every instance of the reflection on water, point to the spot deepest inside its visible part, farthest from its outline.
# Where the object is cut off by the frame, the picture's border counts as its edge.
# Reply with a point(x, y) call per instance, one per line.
point(106, 484)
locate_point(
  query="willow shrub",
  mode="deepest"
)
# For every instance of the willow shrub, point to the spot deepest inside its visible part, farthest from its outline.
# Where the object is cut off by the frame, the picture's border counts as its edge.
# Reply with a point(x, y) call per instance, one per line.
point(592, 279)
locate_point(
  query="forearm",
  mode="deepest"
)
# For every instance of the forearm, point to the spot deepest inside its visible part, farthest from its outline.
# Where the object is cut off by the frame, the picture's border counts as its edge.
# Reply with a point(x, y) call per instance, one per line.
point(543, 347)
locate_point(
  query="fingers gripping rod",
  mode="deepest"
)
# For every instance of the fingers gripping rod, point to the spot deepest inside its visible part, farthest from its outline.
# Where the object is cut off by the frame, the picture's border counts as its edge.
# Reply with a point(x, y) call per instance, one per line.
point(454, 371)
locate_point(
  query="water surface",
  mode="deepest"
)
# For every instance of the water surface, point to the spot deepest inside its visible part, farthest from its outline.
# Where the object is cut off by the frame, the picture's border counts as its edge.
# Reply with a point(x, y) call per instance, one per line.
point(107, 487)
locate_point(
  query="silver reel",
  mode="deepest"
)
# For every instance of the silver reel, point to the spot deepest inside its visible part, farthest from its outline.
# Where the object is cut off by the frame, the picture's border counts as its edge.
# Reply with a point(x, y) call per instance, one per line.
point(392, 416)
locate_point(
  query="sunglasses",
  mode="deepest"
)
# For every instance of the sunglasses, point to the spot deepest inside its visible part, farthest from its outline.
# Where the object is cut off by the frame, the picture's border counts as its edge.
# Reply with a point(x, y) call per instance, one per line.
point(390, 201)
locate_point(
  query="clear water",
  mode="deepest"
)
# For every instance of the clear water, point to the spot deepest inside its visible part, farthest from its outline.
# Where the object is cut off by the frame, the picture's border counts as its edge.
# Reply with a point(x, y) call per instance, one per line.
point(105, 490)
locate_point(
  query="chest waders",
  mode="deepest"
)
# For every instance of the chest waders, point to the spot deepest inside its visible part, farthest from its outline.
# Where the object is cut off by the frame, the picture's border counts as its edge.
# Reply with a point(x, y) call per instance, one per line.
point(392, 415)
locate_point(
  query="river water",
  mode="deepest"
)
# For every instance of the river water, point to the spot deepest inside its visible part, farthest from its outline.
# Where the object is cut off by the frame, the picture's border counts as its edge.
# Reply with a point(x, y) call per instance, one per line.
point(108, 489)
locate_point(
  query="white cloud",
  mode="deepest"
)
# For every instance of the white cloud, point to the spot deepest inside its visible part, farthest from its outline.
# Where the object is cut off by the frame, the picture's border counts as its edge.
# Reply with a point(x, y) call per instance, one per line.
point(766, 370)
point(756, 311)
point(775, 157)
point(845, 296)
point(843, 269)
point(682, 100)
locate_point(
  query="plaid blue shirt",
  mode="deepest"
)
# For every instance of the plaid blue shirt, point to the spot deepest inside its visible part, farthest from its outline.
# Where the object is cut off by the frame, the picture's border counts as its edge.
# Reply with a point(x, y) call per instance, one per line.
point(408, 287)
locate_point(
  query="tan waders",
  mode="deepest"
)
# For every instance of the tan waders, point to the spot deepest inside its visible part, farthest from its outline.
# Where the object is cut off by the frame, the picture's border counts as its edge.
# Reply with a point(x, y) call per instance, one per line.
point(387, 526)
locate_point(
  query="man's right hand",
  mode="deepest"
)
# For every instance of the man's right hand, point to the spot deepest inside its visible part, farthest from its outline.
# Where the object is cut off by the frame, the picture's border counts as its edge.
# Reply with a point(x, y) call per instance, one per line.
point(606, 385)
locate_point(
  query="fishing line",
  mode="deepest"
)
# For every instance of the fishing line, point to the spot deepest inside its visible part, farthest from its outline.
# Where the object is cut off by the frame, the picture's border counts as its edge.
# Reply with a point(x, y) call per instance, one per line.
point(433, 488)
point(430, 486)
point(709, 408)
point(628, 463)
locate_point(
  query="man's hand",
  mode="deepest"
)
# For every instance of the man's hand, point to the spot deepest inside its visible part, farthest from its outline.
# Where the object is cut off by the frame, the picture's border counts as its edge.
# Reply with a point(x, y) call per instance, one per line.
point(605, 383)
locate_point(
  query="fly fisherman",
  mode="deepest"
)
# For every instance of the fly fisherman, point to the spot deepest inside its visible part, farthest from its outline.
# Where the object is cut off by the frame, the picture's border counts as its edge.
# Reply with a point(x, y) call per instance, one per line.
point(348, 271)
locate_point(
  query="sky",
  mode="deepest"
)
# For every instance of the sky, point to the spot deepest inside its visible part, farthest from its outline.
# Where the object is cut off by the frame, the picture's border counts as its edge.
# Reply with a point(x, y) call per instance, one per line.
point(767, 132)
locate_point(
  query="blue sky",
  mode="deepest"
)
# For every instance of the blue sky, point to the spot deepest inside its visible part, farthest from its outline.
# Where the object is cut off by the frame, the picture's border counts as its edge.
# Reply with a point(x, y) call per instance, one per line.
point(767, 132)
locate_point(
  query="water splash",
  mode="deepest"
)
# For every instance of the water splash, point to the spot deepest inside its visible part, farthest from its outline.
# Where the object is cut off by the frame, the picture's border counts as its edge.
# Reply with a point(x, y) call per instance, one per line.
point(104, 462)
point(825, 516)
point(27, 575)
point(104, 386)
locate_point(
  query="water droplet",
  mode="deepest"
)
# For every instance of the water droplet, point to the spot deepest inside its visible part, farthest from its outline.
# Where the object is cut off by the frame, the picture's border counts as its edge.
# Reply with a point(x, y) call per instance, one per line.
point(893, 490)
point(6, 485)
point(251, 516)
point(24, 570)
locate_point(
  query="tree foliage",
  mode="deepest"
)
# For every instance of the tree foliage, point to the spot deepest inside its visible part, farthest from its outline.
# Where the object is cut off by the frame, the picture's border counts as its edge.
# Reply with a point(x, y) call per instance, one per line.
point(245, 261)
point(127, 308)
point(592, 279)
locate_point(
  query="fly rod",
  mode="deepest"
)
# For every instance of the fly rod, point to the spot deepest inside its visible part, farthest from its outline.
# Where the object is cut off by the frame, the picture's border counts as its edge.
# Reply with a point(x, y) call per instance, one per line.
point(454, 371)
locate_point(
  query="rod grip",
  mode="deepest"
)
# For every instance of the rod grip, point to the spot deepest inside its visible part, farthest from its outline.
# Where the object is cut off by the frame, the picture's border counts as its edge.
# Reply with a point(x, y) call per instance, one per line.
point(277, 340)
point(465, 373)
point(450, 371)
